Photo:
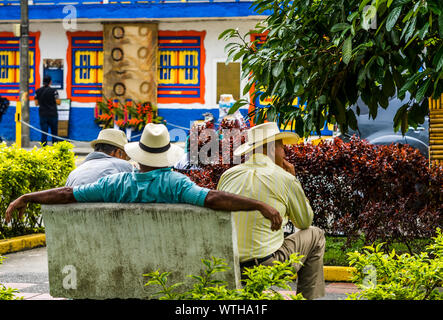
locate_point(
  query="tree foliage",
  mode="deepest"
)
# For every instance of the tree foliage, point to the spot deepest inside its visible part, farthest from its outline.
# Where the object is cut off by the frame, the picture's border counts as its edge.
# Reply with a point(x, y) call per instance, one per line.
point(327, 53)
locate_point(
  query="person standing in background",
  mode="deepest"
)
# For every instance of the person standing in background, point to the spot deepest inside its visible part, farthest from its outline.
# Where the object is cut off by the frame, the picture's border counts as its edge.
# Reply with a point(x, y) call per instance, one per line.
point(47, 99)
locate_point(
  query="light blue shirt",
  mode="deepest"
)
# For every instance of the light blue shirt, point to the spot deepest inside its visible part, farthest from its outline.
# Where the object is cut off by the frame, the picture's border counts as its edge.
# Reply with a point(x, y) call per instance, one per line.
point(159, 186)
point(96, 166)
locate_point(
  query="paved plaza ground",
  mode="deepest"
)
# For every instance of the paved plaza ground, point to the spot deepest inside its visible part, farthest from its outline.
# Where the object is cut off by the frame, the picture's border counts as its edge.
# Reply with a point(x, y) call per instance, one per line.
point(27, 271)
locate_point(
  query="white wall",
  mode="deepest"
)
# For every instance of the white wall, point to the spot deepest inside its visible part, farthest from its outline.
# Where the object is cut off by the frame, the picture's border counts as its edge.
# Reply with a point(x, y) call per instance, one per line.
point(54, 44)
point(214, 52)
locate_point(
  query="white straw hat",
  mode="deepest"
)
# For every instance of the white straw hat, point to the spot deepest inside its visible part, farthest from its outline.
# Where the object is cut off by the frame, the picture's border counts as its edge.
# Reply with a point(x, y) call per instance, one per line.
point(113, 137)
point(154, 148)
point(264, 133)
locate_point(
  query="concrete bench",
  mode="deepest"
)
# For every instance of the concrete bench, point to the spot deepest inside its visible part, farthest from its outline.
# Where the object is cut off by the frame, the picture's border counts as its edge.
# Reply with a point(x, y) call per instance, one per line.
point(102, 250)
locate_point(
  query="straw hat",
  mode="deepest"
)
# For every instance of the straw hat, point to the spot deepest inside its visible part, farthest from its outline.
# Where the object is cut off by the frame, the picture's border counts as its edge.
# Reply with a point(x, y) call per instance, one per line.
point(154, 148)
point(264, 133)
point(113, 137)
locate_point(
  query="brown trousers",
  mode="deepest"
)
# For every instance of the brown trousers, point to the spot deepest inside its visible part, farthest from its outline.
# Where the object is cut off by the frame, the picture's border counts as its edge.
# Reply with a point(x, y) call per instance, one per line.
point(311, 244)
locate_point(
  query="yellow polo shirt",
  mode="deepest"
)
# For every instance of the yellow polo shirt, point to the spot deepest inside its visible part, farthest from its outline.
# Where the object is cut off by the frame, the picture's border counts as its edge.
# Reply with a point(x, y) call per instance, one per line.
point(261, 179)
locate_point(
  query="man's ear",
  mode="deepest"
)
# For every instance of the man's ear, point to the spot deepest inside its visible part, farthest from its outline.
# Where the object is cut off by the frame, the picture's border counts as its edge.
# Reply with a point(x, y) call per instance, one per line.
point(114, 153)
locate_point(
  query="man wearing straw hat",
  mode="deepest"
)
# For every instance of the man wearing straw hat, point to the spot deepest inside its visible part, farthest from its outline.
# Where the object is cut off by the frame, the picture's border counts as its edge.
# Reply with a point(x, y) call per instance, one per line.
point(108, 157)
point(268, 177)
point(156, 182)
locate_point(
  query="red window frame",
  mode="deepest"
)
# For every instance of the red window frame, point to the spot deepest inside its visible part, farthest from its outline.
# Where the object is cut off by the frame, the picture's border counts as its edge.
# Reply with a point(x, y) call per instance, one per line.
point(180, 35)
point(69, 84)
point(36, 85)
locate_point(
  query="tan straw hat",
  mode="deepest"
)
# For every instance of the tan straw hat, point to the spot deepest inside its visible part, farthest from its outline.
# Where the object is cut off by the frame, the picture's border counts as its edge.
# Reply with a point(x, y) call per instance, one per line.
point(264, 133)
point(154, 148)
point(113, 137)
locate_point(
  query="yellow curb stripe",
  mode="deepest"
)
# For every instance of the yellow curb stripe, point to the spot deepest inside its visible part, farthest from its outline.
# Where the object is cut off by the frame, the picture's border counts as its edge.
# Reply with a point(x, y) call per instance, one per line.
point(333, 273)
point(22, 243)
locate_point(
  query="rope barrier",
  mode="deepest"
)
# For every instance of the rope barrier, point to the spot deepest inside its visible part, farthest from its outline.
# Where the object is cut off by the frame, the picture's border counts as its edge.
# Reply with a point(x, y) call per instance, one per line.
point(174, 125)
point(47, 133)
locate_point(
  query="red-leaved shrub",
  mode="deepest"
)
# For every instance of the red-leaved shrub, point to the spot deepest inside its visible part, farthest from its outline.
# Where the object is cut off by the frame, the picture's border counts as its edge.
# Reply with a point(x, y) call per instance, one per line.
point(386, 193)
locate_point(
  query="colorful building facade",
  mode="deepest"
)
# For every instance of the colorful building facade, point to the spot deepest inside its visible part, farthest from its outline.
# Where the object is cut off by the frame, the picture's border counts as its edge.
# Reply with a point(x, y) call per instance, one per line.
point(164, 52)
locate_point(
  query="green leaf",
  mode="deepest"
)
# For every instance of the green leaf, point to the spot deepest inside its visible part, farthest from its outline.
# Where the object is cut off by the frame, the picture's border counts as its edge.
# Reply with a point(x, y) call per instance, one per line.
point(423, 31)
point(404, 123)
point(322, 99)
point(352, 120)
point(352, 16)
point(224, 33)
point(410, 29)
point(236, 106)
point(347, 50)
point(399, 115)
point(363, 5)
point(421, 92)
point(392, 18)
point(276, 71)
point(340, 27)
point(440, 25)
point(438, 59)
point(341, 112)
point(388, 84)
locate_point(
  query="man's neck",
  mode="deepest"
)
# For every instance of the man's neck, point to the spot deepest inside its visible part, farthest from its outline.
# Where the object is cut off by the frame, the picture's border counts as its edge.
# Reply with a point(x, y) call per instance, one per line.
point(145, 169)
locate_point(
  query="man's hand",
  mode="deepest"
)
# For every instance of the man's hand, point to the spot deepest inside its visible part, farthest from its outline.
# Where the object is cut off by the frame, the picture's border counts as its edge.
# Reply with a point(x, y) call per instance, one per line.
point(289, 167)
point(18, 204)
point(60, 195)
point(220, 200)
point(272, 214)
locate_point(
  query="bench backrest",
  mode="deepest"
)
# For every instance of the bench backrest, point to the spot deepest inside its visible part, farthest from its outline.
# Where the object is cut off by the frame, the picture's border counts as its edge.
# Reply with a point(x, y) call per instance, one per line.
point(102, 250)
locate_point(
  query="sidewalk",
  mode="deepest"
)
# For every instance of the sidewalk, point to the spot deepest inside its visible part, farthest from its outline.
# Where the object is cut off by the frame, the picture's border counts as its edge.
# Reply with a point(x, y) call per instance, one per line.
point(27, 271)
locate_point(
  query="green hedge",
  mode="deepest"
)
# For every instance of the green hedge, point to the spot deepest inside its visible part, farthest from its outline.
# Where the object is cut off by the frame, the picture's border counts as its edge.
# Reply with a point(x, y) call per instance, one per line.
point(23, 171)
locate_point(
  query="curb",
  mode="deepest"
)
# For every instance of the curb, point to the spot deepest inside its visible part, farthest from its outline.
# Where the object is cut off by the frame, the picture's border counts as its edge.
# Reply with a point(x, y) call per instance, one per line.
point(331, 273)
point(338, 274)
point(22, 243)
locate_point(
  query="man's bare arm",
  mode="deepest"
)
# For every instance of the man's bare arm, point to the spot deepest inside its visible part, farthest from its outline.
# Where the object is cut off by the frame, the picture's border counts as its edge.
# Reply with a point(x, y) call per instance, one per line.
point(220, 200)
point(51, 196)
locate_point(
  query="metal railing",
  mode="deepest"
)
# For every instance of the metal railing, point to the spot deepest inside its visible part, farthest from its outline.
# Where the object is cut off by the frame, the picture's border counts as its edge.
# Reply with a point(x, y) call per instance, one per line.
point(104, 2)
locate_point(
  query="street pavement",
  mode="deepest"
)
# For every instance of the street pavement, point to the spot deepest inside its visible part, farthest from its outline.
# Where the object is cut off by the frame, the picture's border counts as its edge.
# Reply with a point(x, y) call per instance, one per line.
point(27, 271)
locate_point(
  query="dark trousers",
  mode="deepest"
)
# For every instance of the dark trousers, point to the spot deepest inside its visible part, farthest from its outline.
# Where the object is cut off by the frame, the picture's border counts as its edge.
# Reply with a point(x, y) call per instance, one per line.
point(48, 123)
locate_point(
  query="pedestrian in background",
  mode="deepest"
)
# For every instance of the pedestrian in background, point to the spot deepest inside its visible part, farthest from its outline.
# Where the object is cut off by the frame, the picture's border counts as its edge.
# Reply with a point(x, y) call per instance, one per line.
point(47, 99)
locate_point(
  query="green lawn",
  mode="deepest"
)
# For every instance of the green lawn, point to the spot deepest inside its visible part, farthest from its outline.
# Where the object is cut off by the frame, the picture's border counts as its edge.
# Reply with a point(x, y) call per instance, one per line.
point(335, 252)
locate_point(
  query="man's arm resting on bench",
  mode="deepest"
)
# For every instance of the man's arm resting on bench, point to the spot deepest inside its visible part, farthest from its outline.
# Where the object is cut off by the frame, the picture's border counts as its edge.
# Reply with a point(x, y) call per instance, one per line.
point(52, 196)
point(220, 200)
point(217, 200)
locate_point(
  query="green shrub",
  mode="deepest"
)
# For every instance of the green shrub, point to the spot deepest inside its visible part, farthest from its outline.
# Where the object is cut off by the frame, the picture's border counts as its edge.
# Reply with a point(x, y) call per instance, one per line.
point(259, 285)
point(382, 276)
point(7, 293)
point(24, 171)
point(337, 248)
